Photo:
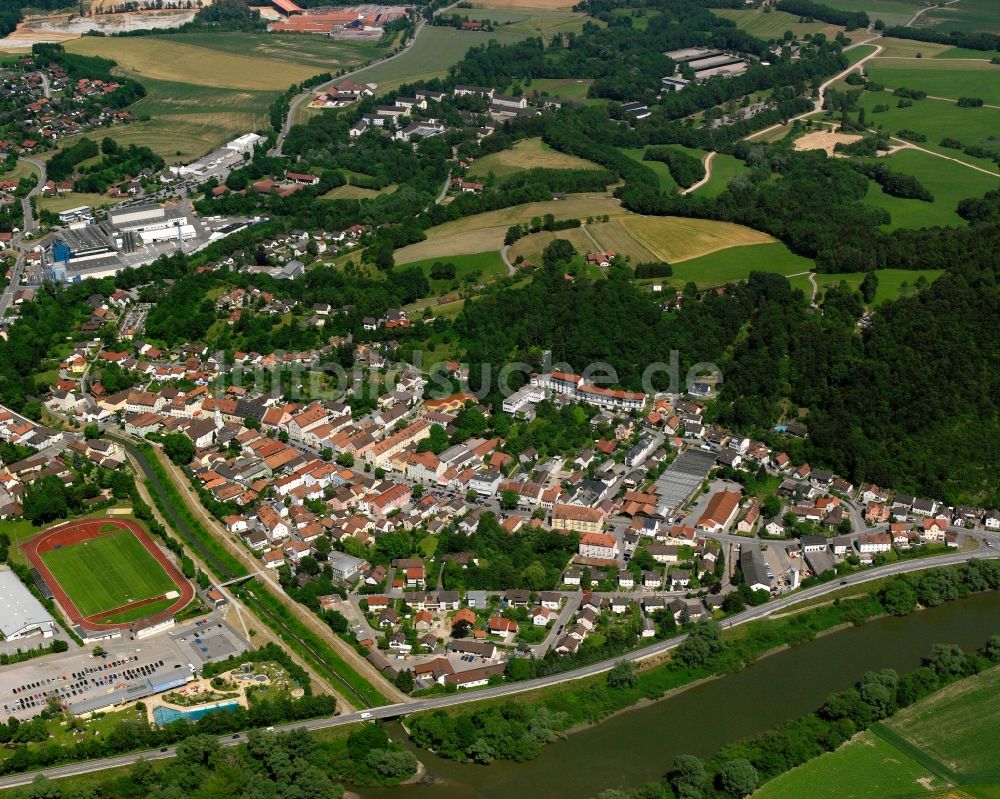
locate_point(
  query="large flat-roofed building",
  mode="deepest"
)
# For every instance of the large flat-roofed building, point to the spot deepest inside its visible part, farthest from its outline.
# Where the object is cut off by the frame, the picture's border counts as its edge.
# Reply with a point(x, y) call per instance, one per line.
point(21, 614)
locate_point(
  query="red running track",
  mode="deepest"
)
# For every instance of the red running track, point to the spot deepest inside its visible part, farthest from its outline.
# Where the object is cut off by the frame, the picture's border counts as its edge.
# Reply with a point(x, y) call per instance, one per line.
point(69, 533)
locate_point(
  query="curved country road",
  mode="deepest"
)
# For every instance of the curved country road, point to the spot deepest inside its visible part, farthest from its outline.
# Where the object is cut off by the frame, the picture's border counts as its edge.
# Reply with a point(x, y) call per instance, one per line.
point(707, 163)
point(509, 689)
point(301, 98)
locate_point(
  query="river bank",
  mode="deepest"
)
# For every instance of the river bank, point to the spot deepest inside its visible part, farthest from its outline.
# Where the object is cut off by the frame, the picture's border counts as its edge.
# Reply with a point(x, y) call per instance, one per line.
point(635, 746)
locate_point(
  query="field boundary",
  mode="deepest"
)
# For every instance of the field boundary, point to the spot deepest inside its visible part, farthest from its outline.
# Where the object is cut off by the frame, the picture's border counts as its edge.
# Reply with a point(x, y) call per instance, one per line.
point(76, 532)
point(915, 753)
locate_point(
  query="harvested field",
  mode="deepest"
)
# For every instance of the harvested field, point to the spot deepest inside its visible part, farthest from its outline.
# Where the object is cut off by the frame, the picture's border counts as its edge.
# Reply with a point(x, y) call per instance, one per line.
point(462, 243)
point(527, 154)
point(674, 239)
point(162, 59)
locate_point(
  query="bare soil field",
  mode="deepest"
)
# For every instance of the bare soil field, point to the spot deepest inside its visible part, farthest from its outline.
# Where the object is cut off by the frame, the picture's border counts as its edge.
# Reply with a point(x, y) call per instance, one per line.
point(824, 140)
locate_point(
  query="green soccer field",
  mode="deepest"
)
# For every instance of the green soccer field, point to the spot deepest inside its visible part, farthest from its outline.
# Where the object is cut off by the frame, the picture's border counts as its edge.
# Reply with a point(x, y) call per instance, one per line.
point(108, 572)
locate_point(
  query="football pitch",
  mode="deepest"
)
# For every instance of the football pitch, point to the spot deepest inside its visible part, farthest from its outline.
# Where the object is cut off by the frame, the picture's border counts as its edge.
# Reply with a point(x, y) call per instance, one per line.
point(102, 574)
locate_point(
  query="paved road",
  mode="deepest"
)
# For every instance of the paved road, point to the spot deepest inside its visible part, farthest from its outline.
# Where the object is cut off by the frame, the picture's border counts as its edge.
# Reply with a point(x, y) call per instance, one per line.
point(509, 689)
point(301, 98)
point(29, 227)
point(821, 94)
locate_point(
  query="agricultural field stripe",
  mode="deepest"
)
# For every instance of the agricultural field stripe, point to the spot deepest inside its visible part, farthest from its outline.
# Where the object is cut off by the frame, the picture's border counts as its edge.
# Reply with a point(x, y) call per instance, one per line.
point(917, 754)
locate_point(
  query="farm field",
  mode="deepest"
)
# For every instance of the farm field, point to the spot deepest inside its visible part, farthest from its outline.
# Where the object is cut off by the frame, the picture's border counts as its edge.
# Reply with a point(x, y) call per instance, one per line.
point(773, 24)
point(674, 239)
point(965, 15)
point(530, 247)
point(643, 238)
point(318, 53)
point(736, 263)
point(948, 78)
point(909, 48)
point(956, 726)
point(434, 51)
point(161, 58)
point(544, 22)
point(865, 768)
point(527, 154)
point(187, 121)
point(939, 177)
point(108, 572)
point(613, 236)
point(724, 168)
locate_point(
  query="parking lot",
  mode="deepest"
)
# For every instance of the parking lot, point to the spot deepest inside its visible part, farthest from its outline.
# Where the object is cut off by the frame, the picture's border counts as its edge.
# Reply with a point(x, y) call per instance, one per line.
point(128, 670)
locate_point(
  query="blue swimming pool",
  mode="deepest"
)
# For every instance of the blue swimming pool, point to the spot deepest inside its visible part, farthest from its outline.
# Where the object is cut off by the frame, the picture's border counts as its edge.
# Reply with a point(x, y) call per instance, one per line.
point(164, 715)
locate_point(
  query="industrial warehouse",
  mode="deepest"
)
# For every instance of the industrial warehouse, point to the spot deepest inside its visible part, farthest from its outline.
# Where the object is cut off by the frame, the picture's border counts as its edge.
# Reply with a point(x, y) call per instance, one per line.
point(132, 235)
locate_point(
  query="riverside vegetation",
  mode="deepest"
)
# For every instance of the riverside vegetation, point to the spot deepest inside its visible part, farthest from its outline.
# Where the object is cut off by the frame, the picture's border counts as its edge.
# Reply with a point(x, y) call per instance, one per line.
point(517, 730)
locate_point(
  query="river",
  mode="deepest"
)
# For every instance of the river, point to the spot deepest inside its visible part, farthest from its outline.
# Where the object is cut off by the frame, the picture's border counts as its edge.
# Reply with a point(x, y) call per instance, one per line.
point(637, 746)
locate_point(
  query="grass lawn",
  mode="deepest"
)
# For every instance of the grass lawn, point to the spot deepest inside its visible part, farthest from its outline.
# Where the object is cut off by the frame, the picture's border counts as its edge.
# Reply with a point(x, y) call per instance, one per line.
point(434, 51)
point(773, 24)
point(428, 544)
point(72, 200)
point(527, 154)
point(488, 265)
point(108, 572)
point(937, 119)
point(349, 192)
point(855, 54)
point(940, 177)
point(674, 239)
point(724, 168)
point(564, 88)
point(662, 172)
point(892, 283)
point(957, 726)
point(950, 78)
point(865, 768)
point(736, 263)
point(22, 169)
